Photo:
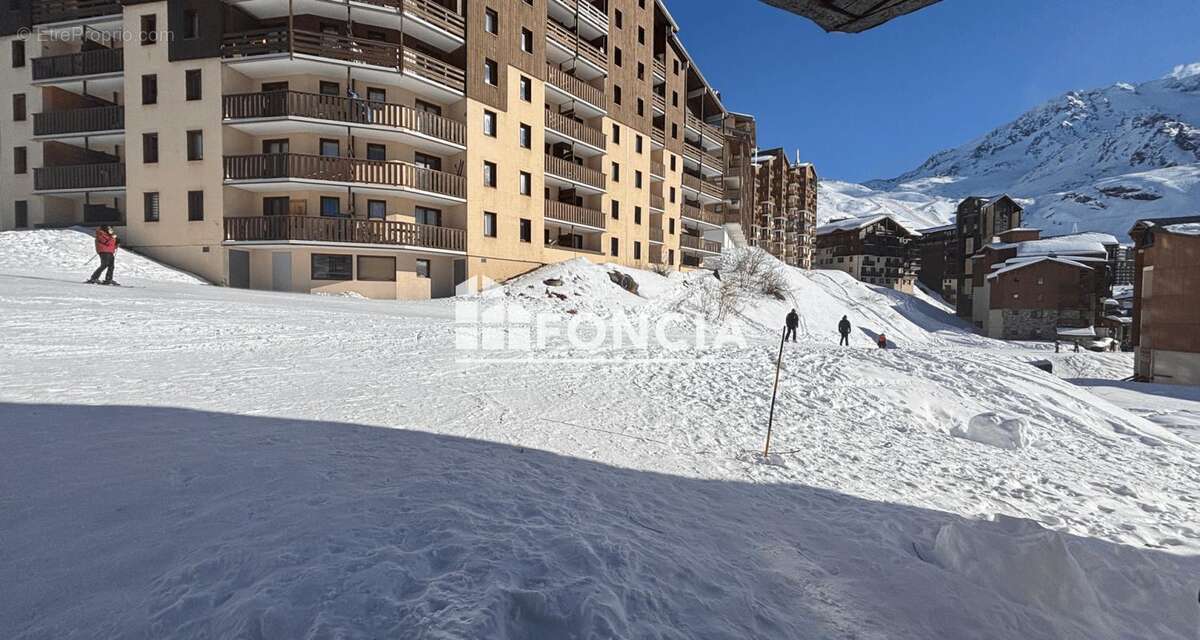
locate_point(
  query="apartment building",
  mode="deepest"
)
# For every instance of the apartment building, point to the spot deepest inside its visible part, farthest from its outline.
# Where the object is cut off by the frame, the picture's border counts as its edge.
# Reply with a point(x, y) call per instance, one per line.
point(876, 250)
point(392, 148)
point(1166, 318)
point(940, 263)
point(978, 220)
point(786, 208)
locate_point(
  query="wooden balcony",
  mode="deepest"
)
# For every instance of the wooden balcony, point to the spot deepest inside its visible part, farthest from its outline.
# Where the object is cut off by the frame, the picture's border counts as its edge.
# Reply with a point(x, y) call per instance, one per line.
point(705, 129)
point(400, 175)
point(702, 186)
point(575, 173)
point(574, 215)
point(575, 87)
point(658, 169)
point(278, 41)
point(267, 229)
point(85, 63)
point(575, 44)
point(51, 11)
point(659, 102)
point(72, 121)
point(576, 130)
point(658, 137)
point(702, 158)
point(655, 253)
point(80, 177)
point(660, 69)
point(656, 234)
point(433, 13)
point(587, 11)
point(696, 214)
point(657, 202)
point(696, 243)
point(298, 104)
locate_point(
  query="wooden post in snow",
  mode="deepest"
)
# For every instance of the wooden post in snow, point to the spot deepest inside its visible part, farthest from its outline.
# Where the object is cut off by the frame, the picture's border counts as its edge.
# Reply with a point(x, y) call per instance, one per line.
point(774, 392)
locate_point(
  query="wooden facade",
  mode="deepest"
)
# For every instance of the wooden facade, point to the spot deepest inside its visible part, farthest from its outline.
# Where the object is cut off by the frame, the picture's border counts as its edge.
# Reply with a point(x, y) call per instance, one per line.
point(1166, 315)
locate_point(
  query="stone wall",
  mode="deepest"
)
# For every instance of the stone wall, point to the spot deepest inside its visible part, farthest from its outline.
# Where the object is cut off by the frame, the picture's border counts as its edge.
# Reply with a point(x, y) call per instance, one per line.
point(1040, 324)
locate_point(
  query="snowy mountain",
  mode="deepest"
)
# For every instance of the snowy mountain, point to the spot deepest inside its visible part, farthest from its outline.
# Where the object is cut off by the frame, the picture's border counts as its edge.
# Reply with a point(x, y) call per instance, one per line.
point(1097, 159)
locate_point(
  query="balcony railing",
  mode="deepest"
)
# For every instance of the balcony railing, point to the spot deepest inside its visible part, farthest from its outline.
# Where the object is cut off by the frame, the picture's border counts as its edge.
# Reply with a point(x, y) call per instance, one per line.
point(433, 13)
point(575, 129)
point(575, 172)
point(656, 202)
point(700, 215)
point(700, 244)
point(48, 11)
point(273, 166)
point(84, 63)
point(576, 87)
point(79, 121)
point(656, 234)
point(572, 214)
point(658, 137)
point(694, 123)
point(659, 102)
point(658, 169)
point(575, 43)
point(278, 104)
point(702, 186)
point(343, 230)
point(353, 49)
point(702, 157)
point(79, 176)
point(660, 68)
point(587, 10)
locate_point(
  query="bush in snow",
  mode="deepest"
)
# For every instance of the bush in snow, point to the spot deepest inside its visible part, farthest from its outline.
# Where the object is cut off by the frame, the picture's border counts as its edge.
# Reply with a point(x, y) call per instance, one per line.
point(744, 275)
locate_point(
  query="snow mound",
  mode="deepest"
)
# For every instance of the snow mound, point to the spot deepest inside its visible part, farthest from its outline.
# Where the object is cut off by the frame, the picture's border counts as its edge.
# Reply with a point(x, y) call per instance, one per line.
point(71, 253)
point(580, 286)
point(996, 431)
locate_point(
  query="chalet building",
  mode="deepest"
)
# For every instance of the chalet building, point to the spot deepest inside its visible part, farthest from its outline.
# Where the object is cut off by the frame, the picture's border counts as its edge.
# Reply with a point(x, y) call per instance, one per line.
point(1166, 315)
point(393, 148)
point(786, 206)
point(1024, 287)
point(876, 250)
point(977, 222)
point(941, 264)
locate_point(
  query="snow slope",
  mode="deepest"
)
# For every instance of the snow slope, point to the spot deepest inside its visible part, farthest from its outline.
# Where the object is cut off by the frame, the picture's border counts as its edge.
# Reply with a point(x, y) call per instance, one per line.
point(1095, 160)
point(276, 466)
point(71, 253)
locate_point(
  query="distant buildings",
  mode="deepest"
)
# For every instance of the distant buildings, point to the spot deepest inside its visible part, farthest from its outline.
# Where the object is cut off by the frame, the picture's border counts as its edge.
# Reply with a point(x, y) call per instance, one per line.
point(876, 250)
point(978, 220)
point(941, 264)
point(785, 200)
point(1166, 313)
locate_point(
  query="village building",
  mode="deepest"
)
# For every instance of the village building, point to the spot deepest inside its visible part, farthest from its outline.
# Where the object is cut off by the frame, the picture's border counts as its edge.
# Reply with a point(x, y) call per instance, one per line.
point(941, 264)
point(786, 204)
point(1166, 312)
point(978, 220)
point(876, 250)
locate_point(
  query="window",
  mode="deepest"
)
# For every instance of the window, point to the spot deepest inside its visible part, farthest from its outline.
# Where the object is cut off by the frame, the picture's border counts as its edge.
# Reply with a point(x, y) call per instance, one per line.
point(330, 148)
point(268, 87)
point(195, 206)
point(616, 172)
point(489, 123)
point(672, 192)
point(674, 131)
point(618, 18)
point(526, 183)
point(20, 160)
point(489, 225)
point(616, 136)
point(491, 21)
point(614, 247)
point(377, 268)
point(526, 230)
point(641, 107)
point(332, 267)
point(150, 206)
point(376, 210)
point(641, 71)
point(18, 107)
point(376, 94)
point(149, 33)
point(617, 56)
point(195, 145)
point(149, 148)
point(526, 137)
point(423, 268)
point(526, 40)
point(637, 250)
point(637, 179)
point(327, 88)
point(426, 161)
point(672, 162)
point(428, 216)
point(192, 84)
point(18, 53)
point(526, 89)
point(670, 256)
point(275, 146)
point(331, 207)
point(674, 98)
point(637, 215)
point(21, 214)
point(376, 151)
point(616, 210)
point(641, 35)
point(191, 24)
point(491, 73)
point(617, 94)
point(276, 205)
point(427, 107)
point(489, 174)
point(637, 143)
point(149, 89)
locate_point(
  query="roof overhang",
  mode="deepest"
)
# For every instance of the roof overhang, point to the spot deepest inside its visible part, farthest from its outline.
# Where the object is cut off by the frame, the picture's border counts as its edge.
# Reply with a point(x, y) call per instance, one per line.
point(850, 16)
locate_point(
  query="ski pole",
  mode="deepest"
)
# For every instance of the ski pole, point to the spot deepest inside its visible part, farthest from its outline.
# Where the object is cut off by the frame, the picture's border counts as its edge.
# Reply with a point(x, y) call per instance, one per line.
point(774, 392)
point(88, 262)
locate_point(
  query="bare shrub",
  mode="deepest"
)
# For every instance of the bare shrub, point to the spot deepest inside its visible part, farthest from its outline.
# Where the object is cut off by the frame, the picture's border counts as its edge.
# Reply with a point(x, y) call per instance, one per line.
point(744, 274)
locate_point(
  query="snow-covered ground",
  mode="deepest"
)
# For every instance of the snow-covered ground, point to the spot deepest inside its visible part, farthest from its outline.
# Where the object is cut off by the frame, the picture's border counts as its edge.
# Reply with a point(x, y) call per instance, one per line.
point(198, 462)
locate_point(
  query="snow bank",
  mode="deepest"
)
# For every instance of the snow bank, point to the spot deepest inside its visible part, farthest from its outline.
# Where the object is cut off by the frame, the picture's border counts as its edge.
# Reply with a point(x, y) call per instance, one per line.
point(70, 254)
point(1189, 228)
point(996, 431)
point(580, 286)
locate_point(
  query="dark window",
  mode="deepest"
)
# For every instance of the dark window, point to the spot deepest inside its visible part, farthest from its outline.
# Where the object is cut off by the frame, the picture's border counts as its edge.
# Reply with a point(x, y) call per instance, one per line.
point(526, 230)
point(489, 123)
point(275, 146)
point(427, 161)
point(526, 40)
point(425, 215)
point(375, 94)
point(18, 107)
point(268, 87)
point(376, 151)
point(526, 137)
point(489, 174)
point(491, 73)
point(491, 21)
point(617, 56)
point(377, 268)
point(149, 89)
point(150, 206)
point(20, 160)
point(617, 94)
point(376, 210)
point(526, 183)
point(149, 148)
point(616, 172)
point(526, 89)
point(18, 53)
point(641, 35)
point(637, 250)
point(637, 179)
point(637, 143)
point(192, 84)
point(149, 33)
point(276, 205)
point(423, 268)
point(328, 88)
point(195, 145)
point(331, 207)
point(427, 107)
point(670, 256)
point(21, 214)
point(616, 210)
point(637, 215)
point(330, 148)
point(616, 136)
point(331, 267)
point(641, 71)
point(489, 225)
point(614, 246)
point(191, 24)
point(618, 18)
point(195, 206)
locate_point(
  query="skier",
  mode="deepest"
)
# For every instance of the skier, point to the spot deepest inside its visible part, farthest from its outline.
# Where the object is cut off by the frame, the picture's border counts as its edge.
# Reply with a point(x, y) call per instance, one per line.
point(882, 341)
point(844, 329)
point(793, 321)
point(106, 246)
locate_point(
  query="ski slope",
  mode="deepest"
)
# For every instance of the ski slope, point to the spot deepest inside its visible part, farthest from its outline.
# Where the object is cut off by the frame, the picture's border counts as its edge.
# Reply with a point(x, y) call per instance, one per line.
point(195, 462)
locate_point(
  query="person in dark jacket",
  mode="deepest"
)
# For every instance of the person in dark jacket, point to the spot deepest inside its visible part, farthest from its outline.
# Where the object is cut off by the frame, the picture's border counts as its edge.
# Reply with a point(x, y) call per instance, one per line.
point(106, 248)
point(844, 329)
point(882, 341)
point(793, 321)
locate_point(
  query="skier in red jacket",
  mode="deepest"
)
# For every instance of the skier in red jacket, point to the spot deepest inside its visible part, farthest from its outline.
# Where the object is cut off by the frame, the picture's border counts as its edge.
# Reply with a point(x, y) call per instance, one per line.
point(106, 247)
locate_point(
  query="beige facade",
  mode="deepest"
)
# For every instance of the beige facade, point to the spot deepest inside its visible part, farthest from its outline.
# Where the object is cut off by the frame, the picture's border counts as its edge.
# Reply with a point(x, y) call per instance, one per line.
point(390, 149)
point(785, 201)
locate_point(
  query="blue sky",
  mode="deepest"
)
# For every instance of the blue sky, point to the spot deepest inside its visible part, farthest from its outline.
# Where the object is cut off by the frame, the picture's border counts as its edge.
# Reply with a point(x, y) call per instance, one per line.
point(876, 104)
